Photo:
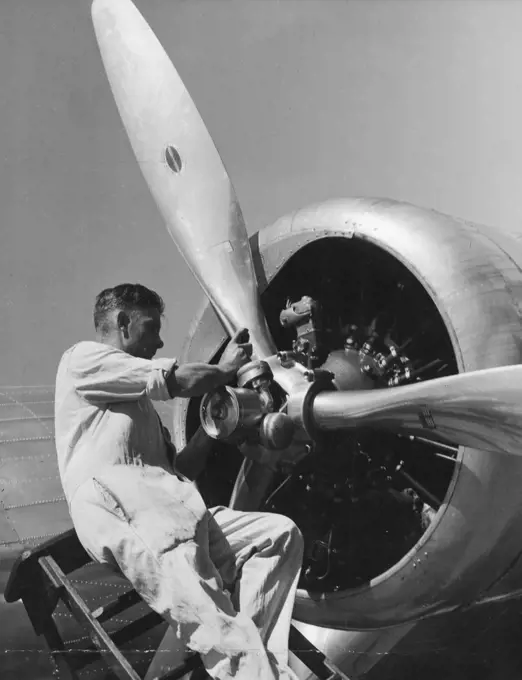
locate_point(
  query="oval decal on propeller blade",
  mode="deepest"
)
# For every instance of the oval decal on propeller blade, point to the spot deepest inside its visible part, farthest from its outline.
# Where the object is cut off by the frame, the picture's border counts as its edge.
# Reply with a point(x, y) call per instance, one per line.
point(173, 159)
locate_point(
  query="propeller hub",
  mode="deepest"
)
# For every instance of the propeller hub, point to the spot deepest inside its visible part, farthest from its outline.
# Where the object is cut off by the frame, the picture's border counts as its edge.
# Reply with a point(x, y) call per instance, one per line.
point(276, 431)
point(300, 402)
point(253, 374)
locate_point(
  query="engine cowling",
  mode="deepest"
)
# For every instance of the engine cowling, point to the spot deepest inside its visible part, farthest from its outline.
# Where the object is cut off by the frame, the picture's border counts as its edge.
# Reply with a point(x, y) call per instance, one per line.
point(463, 279)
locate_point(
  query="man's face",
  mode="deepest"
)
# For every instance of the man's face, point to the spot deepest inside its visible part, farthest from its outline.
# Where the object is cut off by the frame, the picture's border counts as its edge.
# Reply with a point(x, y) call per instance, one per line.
point(142, 337)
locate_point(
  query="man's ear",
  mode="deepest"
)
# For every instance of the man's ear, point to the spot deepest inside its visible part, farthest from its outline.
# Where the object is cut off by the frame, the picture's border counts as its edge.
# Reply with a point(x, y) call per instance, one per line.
point(123, 321)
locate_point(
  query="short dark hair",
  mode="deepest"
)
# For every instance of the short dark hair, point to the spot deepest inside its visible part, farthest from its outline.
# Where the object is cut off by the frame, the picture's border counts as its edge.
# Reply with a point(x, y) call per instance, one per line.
point(125, 296)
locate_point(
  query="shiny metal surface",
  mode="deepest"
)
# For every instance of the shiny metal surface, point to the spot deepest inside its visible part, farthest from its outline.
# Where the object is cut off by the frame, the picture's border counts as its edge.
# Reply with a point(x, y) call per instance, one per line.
point(473, 274)
point(482, 409)
point(276, 431)
point(229, 411)
point(250, 374)
point(292, 378)
point(182, 167)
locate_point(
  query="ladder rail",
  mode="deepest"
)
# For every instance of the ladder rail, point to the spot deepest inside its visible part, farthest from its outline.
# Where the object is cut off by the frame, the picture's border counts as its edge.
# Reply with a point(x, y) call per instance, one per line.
point(70, 596)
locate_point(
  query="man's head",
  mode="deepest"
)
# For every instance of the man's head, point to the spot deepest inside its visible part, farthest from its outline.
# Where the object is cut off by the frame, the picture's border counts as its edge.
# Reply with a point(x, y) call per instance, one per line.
point(128, 317)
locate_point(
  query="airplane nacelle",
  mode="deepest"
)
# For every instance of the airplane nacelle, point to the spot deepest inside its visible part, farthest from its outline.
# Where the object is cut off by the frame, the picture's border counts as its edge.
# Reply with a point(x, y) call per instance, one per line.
point(396, 527)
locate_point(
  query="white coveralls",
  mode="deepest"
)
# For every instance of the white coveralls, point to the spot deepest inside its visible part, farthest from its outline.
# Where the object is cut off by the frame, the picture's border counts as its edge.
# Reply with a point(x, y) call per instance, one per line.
point(131, 509)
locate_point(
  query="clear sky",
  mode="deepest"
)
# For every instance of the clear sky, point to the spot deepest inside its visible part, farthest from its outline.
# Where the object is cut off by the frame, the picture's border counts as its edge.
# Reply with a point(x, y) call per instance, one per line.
point(306, 100)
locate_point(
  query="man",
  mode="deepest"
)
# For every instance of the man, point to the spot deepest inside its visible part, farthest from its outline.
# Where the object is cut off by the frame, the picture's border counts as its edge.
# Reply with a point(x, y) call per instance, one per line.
point(132, 508)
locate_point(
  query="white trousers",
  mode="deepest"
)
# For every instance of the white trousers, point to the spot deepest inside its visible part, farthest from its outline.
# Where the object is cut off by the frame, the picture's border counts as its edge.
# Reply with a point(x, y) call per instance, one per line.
point(224, 580)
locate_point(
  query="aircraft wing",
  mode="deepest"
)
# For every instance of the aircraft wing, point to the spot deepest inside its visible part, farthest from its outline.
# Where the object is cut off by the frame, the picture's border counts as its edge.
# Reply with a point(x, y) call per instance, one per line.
point(32, 503)
point(32, 509)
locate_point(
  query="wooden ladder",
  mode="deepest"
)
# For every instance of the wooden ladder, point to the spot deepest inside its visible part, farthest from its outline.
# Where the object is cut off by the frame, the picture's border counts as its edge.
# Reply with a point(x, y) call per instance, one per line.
point(40, 578)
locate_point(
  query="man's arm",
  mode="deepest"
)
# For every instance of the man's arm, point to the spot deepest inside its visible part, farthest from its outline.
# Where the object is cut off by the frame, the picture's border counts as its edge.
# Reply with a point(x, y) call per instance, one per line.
point(195, 379)
point(103, 374)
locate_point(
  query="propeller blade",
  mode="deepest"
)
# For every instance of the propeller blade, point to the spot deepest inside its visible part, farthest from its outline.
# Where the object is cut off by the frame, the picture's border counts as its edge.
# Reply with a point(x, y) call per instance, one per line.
point(182, 167)
point(481, 409)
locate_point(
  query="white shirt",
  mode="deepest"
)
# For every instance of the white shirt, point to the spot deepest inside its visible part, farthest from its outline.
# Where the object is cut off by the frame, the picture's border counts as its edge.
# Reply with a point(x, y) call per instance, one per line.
point(104, 415)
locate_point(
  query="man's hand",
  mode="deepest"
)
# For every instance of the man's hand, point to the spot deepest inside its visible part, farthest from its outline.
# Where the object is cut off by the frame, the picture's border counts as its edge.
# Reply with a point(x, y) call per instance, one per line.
point(195, 379)
point(237, 353)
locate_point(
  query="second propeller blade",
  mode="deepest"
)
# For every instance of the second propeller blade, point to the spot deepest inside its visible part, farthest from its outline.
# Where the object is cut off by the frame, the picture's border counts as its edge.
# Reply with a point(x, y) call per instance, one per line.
point(482, 409)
